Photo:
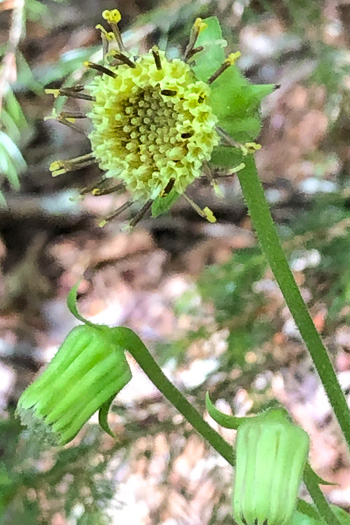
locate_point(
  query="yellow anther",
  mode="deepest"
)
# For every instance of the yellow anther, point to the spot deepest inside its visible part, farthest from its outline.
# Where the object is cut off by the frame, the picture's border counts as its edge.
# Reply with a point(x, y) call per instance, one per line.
point(209, 214)
point(57, 168)
point(112, 16)
point(54, 92)
point(231, 59)
point(107, 34)
point(199, 25)
point(250, 147)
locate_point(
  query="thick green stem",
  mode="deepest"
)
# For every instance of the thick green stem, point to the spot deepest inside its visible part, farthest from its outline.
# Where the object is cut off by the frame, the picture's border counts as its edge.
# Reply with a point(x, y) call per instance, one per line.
point(140, 352)
point(267, 235)
point(126, 338)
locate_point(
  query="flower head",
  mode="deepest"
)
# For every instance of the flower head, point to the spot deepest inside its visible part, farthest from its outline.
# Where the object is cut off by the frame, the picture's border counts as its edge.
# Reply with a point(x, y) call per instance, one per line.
point(152, 124)
point(86, 373)
point(156, 122)
point(271, 456)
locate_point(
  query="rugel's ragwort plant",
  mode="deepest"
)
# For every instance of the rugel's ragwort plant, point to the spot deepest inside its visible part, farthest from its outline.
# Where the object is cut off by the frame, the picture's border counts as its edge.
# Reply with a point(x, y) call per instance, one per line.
point(155, 123)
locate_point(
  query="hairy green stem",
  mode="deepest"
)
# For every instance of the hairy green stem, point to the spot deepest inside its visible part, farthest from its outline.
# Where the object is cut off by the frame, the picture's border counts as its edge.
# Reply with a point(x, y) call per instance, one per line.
point(140, 352)
point(310, 480)
point(261, 218)
point(126, 338)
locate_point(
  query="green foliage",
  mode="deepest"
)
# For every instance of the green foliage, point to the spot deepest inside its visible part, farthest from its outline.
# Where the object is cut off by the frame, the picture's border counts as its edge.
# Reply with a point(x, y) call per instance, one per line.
point(325, 228)
point(12, 125)
point(72, 479)
point(234, 100)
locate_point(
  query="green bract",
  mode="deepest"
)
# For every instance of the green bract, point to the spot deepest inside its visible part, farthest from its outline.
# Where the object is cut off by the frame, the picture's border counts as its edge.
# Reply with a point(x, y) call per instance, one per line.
point(234, 100)
point(85, 375)
point(302, 518)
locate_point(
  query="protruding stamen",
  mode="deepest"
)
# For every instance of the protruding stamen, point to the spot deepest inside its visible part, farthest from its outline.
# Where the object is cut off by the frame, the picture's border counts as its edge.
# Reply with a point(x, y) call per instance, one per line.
point(113, 17)
point(156, 56)
point(250, 147)
point(206, 212)
point(67, 118)
point(247, 147)
point(89, 189)
point(140, 214)
point(115, 214)
point(100, 68)
point(69, 122)
point(168, 92)
point(193, 52)
point(197, 28)
point(227, 138)
point(207, 171)
point(72, 114)
point(106, 191)
point(106, 37)
point(59, 167)
point(73, 92)
point(124, 59)
point(230, 60)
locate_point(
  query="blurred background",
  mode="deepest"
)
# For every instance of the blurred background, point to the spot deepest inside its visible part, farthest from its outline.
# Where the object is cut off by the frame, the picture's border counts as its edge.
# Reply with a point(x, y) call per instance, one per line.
point(200, 295)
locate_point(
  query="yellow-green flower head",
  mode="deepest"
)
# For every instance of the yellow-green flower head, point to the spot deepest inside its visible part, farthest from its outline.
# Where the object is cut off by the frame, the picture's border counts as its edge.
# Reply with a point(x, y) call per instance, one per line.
point(152, 126)
point(156, 122)
point(86, 372)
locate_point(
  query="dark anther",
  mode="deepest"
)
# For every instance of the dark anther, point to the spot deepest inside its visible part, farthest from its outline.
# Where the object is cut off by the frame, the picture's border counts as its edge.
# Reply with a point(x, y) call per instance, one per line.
point(218, 72)
point(168, 92)
point(193, 52)
point(120, 210)
point(156, 56)
point(141, 213)
point(100, 68)
point(126, 60)
point(168, 188)
point(75, 93)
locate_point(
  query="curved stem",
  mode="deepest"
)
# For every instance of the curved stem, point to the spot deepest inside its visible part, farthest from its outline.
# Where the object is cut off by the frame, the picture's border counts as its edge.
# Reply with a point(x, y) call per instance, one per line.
point(128, 339)
point(310, 480)
point(261, 218)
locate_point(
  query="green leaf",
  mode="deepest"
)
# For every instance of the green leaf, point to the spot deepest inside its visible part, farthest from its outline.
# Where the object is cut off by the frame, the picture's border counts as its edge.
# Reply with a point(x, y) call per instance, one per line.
point(213, 55)
point(224, 420)
point(232, 94)
point(308, 515)
point(226, 156)
point(162, 204)
point(241, 129)
point(103, 417)
point(72, 305)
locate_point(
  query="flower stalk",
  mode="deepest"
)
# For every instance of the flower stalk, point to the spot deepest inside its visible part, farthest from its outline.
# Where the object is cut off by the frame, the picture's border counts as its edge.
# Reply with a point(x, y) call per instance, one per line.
point(263, 223)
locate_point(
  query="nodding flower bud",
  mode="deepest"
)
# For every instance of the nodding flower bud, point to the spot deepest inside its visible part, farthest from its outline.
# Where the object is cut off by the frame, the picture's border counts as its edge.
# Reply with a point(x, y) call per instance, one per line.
point(271, 456)
point(86, 373)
